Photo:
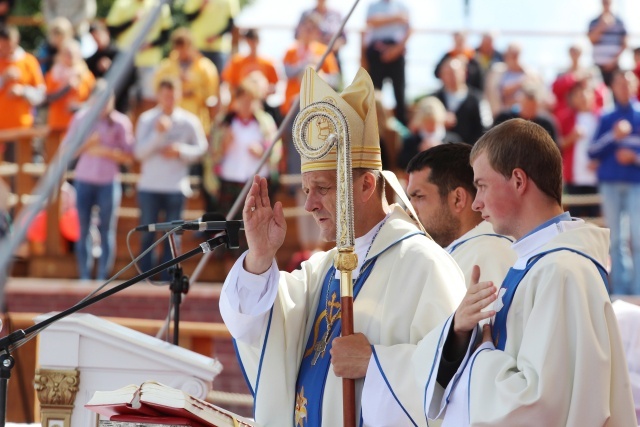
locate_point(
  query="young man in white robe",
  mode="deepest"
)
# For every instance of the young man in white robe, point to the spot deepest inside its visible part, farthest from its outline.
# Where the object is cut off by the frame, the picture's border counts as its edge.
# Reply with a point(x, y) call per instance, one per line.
point(552, 354)
point(286, 326)
point(441, 190)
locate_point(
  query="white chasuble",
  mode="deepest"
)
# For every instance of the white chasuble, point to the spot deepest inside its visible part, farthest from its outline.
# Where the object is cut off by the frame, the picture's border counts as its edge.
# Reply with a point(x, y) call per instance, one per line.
point(413, 286)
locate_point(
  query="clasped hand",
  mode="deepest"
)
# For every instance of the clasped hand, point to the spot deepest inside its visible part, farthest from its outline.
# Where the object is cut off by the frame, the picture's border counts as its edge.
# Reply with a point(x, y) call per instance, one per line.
point(350, 356)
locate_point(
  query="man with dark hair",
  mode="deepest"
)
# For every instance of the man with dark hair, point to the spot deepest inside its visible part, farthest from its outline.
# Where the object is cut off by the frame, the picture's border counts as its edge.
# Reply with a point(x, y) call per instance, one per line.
point(552, 353)
point(441, 190)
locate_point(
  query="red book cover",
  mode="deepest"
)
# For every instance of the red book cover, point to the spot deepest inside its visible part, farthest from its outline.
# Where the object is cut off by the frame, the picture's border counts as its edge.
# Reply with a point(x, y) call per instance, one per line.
point(184, 413)
point(157, 403)
point(109, 410)
point(163, 420)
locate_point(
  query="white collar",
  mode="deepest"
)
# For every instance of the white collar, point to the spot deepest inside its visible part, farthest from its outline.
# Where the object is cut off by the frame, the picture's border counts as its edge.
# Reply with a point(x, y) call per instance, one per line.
point(483, 227)
point(533, 244)
point(362, 245)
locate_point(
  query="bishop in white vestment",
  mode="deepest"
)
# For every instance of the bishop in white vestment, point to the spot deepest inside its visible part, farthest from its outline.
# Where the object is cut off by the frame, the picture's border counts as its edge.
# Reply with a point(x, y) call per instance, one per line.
point(284, 324)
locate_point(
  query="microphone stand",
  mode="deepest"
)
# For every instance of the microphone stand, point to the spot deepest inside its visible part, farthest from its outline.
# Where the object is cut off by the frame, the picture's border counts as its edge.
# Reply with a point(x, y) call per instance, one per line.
point(179, 284)
point(7, 362)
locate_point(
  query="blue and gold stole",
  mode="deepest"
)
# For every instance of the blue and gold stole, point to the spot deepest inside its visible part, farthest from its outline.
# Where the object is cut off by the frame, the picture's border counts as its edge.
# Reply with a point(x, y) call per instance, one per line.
point(510, 285)
point(312, 377)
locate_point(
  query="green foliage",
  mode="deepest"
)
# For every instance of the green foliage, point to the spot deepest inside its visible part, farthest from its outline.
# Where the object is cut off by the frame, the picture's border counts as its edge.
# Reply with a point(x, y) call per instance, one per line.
point(33, 36)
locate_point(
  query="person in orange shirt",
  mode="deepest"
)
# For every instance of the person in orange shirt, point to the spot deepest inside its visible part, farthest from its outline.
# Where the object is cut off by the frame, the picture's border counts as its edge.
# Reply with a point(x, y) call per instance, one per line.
point(21, 84)
point(69, 83)
point(306, 51)
point(241, 65)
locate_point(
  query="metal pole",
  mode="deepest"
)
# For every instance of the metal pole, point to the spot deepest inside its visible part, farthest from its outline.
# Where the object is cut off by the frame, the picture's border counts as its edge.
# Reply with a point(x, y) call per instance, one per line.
point(50, 181)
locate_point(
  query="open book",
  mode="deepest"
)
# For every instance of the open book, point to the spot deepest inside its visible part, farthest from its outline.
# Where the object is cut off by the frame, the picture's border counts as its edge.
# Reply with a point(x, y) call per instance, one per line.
point(155, 403)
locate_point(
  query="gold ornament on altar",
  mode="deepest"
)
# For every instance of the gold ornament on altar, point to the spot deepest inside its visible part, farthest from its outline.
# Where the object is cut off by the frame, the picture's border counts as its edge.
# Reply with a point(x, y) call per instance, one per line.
point(56, 387)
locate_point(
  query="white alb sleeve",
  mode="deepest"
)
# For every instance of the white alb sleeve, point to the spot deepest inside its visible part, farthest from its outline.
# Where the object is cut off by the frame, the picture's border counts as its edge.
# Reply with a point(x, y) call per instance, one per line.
point(245, 300)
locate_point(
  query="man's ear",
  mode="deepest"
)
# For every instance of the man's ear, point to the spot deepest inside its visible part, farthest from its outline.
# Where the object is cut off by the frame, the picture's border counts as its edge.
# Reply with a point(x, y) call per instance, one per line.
point(520, 180)
point(459, 198)
point(368, 186)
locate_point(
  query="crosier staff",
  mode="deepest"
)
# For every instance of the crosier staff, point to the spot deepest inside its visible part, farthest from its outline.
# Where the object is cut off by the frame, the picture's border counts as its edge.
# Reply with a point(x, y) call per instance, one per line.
point(346, 260)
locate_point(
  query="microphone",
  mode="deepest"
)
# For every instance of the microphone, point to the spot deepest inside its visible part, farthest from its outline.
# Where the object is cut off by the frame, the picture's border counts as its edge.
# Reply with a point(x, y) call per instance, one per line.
point(213, 221)
point(212, 225)
point(210, 221)
point(162, 226)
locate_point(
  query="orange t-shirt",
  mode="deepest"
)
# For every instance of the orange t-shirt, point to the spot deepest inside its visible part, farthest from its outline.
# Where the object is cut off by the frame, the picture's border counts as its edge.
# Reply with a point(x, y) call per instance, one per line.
point(62, 109)
point(294, 58)
point(241, 66)
point(17, 112)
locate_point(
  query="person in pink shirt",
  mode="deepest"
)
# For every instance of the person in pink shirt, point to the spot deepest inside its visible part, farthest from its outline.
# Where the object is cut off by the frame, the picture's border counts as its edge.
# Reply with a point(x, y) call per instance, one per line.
point(97, 184)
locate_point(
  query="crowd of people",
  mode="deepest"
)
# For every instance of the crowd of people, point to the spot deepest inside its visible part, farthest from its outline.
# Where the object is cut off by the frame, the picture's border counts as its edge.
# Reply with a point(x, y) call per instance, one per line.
point(222, 98)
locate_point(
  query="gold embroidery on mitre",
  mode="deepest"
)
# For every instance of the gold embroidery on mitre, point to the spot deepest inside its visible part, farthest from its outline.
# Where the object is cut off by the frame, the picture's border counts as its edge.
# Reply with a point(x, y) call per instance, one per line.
point(324, 128)
point(357, 106)
point(330, 100)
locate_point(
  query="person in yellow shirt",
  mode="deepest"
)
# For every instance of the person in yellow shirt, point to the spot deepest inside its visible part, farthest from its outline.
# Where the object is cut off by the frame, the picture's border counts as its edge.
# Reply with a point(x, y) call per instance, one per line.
point(125, 19)
point(198, 75)
point(211, 22)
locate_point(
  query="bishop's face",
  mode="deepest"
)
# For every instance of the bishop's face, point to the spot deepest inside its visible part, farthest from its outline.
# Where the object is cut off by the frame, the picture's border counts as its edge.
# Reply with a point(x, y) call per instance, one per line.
point(320, 189)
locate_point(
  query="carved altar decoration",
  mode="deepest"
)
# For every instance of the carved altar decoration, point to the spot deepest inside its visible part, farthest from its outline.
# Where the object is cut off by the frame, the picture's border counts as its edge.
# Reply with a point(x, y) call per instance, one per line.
point(56, 390)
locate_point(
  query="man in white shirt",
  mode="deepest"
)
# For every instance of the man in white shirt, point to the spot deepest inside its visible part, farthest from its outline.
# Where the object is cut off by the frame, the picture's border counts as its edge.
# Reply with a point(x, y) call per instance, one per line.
point(552, 354)
point(441, 190)
point(286, 326)
point(168, 140)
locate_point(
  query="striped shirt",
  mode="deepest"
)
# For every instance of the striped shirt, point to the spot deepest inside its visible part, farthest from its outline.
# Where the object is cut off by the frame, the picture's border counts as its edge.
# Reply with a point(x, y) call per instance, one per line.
point(610, 42)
